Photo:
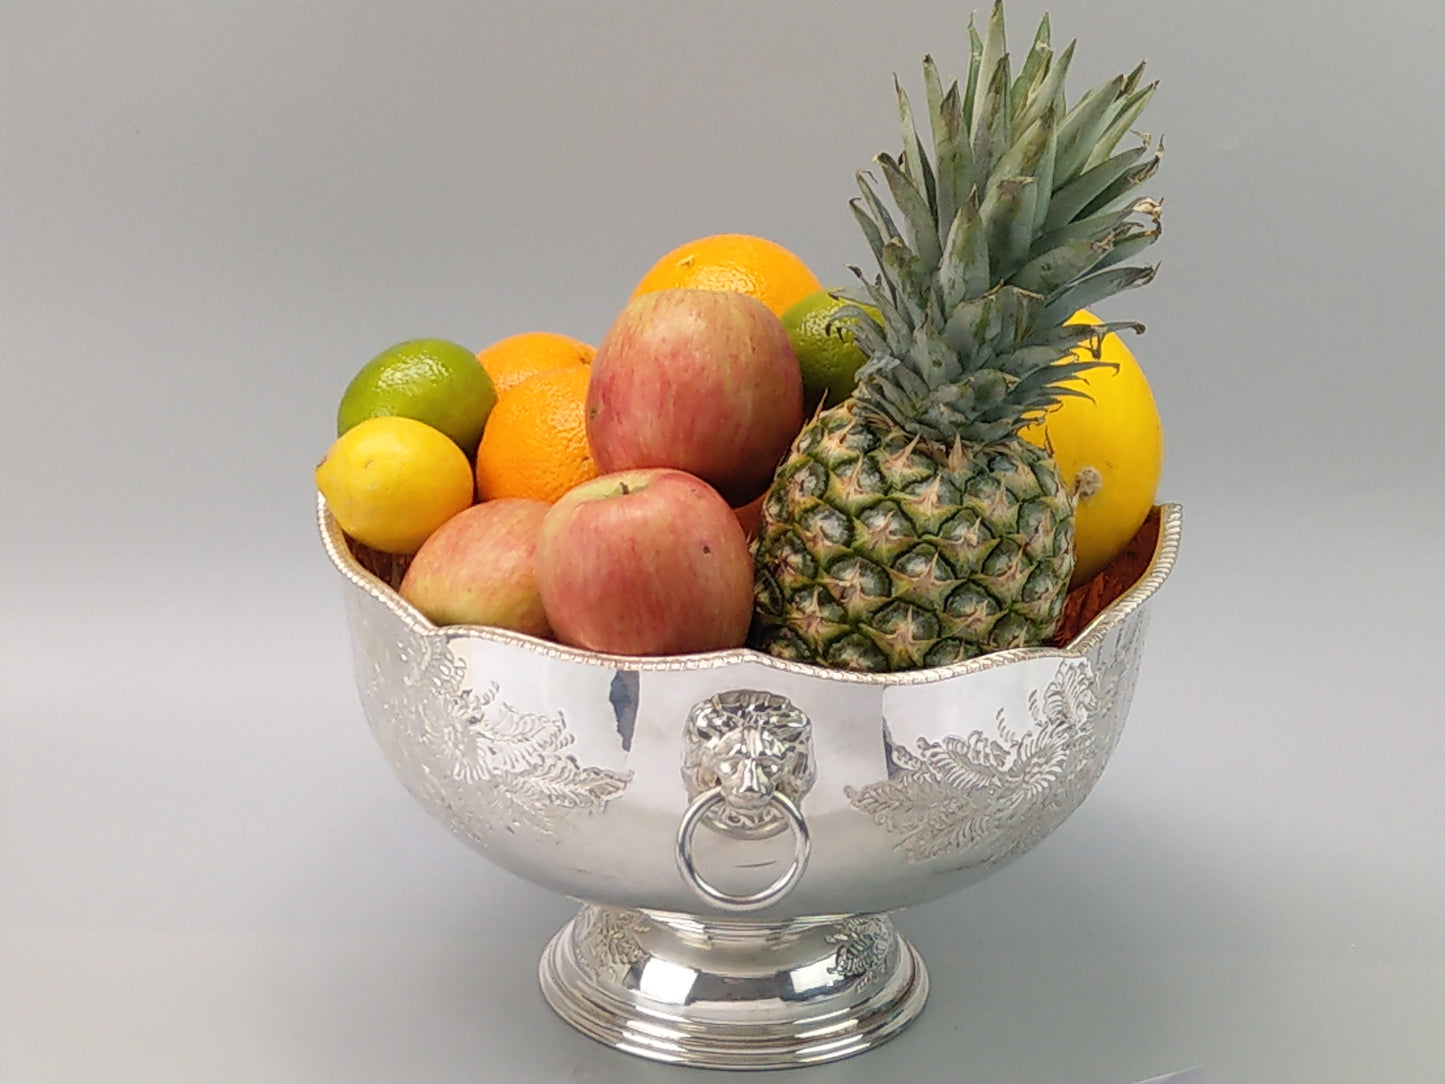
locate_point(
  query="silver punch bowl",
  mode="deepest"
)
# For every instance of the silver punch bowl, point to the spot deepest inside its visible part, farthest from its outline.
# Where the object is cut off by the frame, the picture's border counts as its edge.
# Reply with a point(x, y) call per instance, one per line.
point(738, 828)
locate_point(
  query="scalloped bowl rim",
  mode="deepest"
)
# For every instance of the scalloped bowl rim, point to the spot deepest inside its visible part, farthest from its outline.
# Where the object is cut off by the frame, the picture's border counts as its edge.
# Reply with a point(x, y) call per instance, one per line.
point(1160, 565)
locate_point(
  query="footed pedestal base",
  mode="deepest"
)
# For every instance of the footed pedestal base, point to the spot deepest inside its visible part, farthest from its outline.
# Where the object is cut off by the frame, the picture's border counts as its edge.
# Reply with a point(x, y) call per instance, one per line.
point(732, 993)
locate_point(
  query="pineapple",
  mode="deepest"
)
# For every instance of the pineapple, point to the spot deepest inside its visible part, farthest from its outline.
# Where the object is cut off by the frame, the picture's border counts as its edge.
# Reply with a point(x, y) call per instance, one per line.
point(910, 526)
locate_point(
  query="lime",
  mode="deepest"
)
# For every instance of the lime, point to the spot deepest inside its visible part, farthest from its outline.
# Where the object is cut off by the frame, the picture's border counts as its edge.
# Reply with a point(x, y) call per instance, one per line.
point(391, 482)
point(429, 380)
point(829, 358)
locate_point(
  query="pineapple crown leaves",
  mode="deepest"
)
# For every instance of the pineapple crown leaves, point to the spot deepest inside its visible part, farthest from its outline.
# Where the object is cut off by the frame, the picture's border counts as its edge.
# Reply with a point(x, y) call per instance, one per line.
point(1021, 216)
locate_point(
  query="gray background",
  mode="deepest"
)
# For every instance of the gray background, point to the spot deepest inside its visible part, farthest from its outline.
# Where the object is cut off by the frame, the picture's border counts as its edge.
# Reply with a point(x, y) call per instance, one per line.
point(211, 215)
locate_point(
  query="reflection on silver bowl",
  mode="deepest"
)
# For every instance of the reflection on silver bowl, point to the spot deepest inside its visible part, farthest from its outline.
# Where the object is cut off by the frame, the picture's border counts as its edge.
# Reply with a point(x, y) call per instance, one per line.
point(739, 827)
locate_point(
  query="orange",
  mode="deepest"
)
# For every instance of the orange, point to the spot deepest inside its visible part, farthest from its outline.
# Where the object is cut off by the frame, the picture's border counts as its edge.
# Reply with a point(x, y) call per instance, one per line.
point(734, 261)
point(535, 444)
point(511, 360)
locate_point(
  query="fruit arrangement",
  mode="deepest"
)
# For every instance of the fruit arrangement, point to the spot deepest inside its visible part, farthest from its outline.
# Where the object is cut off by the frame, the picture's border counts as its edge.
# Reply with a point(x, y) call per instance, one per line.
point(951, 457)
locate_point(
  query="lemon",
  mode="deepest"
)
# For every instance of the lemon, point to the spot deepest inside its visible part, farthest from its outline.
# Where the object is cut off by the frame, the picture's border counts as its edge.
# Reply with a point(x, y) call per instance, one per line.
point(826, 353)
point(391, 482)
point(1109, 449)
point(429, 380)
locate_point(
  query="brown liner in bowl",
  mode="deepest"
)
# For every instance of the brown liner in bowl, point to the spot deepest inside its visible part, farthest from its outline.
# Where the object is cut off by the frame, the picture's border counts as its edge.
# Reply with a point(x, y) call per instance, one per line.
point(1093, 597)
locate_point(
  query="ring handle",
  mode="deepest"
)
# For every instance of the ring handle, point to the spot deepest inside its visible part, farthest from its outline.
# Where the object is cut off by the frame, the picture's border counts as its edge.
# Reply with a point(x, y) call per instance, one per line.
point(802, 847)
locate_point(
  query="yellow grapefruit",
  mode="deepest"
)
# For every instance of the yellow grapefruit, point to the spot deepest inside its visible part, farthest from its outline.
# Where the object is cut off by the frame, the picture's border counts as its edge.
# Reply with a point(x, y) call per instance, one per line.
point(1109, 449)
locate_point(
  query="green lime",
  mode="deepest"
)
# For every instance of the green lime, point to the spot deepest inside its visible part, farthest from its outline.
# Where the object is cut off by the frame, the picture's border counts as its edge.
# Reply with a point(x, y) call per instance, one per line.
point(829, 358)
point(428, 380)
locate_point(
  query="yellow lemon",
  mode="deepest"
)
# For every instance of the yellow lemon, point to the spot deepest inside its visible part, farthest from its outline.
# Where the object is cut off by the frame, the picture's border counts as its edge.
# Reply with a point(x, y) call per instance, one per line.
point(1109, 449)
point(390, 482)
point(827, 354)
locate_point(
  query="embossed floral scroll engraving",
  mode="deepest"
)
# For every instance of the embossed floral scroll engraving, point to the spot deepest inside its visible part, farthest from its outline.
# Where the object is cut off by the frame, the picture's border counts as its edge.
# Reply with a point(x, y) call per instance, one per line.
point(606, 939)
point(995, 795)
point(486, 764)
point(522, 756)
point(866, 946)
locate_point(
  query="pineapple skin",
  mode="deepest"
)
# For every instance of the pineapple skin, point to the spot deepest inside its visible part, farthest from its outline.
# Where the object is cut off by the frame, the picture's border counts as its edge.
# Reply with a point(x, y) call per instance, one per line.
point(911, 526)
point(879, 551)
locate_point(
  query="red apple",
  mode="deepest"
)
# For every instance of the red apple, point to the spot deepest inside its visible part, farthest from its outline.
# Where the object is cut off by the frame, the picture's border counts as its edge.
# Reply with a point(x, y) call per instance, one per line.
point(645, 562)
point(479, 568)
point(701, 380)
